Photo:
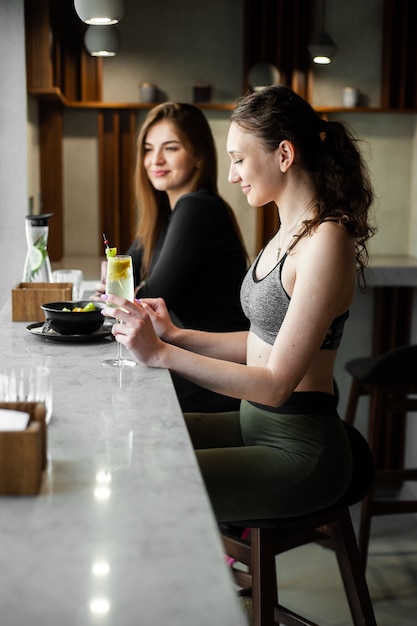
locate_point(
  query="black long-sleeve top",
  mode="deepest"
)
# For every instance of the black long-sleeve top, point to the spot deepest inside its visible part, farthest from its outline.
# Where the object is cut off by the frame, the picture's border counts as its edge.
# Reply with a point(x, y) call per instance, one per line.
point(198, 265)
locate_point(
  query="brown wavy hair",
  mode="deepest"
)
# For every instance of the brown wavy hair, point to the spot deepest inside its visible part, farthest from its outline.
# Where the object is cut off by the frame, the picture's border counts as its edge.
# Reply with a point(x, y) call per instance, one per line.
point(326, 149)
point(194, 132)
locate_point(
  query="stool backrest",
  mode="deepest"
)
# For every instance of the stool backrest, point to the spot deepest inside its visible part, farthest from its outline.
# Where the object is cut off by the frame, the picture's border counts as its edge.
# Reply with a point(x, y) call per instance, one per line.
point(396, 367)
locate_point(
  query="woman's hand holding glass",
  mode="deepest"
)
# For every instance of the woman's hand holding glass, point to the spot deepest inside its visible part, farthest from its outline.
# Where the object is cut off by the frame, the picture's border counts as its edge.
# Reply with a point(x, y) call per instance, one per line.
point(144, 325)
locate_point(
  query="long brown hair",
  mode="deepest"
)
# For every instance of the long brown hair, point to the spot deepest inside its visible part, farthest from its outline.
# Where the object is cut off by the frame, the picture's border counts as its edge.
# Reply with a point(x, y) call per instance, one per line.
point(194, 131)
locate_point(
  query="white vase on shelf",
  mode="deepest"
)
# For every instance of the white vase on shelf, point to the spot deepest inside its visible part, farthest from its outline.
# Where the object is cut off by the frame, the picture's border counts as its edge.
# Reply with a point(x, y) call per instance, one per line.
point(350, 97)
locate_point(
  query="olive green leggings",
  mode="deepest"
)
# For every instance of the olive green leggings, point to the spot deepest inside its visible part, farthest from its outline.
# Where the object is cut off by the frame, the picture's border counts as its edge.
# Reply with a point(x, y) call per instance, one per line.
point(261, 464)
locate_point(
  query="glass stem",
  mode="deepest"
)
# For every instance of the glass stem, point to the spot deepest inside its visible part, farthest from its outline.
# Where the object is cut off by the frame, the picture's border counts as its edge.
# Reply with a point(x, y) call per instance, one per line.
point(119, 348)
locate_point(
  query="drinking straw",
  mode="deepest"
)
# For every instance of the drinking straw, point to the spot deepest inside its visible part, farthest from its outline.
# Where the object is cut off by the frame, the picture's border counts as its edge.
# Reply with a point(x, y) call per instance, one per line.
point(106, 243)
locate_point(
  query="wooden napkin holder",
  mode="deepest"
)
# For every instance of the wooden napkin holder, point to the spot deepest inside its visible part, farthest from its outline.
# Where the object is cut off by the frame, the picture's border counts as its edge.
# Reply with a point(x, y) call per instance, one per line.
point(23, 453)
point(28, 297)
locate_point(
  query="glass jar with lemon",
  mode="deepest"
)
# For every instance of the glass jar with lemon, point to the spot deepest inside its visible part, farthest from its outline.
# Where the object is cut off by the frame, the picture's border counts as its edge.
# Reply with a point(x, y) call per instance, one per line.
point(37, 268)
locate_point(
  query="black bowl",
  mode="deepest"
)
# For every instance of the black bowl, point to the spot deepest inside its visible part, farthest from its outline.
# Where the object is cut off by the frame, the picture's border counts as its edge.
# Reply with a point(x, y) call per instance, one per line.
point(73, 322)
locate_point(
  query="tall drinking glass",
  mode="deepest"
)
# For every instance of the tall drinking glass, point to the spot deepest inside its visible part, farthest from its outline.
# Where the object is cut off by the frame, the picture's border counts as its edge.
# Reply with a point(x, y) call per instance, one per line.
point(120, 283)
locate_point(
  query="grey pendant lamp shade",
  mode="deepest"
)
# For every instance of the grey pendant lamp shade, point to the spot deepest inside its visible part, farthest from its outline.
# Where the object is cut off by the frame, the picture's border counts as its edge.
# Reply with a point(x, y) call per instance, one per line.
point(102, 41)
point(322, 48)
point(104, 12)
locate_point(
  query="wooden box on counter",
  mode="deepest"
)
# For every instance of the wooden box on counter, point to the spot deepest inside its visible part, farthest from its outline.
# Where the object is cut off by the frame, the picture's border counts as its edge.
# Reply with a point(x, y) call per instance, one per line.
point(28, 297)
point(23, 453)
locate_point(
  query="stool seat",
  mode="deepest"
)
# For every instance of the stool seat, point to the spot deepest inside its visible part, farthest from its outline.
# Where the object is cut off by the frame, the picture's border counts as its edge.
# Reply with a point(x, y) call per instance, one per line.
point(331, 527)
point(396, 367)
point(390, 382)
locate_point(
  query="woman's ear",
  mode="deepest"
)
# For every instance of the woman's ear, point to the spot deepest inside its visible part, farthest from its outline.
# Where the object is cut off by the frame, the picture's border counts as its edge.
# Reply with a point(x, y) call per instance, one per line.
point(286, 155)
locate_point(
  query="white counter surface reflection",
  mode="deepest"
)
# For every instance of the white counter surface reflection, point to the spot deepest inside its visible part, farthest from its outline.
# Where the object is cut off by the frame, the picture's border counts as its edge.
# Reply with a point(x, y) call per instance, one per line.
point(122, 532)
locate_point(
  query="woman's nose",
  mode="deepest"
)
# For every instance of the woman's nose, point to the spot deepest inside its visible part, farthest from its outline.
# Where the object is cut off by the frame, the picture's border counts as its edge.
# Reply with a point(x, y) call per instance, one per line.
point(233, 176)
point(158, 156)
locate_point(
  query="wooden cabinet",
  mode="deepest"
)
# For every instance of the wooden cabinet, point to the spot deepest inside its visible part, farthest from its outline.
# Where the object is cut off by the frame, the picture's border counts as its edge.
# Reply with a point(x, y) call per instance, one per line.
point(57, 64)
point(58, 71)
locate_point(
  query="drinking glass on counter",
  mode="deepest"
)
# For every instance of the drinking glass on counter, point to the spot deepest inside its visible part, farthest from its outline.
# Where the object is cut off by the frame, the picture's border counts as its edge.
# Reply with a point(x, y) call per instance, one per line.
point(119, 282)
point(75, 277)
point(27, 383)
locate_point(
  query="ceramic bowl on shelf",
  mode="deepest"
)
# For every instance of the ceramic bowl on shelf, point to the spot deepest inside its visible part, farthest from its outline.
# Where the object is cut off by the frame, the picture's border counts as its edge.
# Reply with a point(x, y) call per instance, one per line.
point(64, 320)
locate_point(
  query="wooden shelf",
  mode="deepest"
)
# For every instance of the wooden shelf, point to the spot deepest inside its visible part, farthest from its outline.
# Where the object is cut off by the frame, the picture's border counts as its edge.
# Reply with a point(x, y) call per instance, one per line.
point(341, 109)
point(55, 94)
point(210, 106)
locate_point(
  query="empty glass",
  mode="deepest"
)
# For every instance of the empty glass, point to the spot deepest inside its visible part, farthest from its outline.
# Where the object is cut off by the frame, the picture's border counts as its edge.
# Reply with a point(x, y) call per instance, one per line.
point(75, 277)
point(27, 383)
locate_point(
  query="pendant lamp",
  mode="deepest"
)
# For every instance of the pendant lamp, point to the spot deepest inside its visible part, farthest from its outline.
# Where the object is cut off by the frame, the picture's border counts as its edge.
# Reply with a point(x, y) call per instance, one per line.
point(322, 47)
point(263, 74)
point(99, 12)
point(102, 41)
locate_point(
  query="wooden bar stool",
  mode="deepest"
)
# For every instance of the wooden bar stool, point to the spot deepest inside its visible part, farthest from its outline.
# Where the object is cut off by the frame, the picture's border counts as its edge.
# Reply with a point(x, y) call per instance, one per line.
point(390, 381)
point(331, 527)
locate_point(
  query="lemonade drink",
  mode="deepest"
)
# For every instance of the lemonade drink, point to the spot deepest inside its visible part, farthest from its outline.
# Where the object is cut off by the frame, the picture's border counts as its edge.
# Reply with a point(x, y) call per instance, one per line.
point(119, 282)
point(120, 276)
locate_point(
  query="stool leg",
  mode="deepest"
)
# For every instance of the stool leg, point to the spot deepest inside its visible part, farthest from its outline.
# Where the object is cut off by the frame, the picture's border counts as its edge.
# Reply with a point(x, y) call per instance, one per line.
point(376, 409)
point(351, 569)
point(365, 528)
point(264, 587)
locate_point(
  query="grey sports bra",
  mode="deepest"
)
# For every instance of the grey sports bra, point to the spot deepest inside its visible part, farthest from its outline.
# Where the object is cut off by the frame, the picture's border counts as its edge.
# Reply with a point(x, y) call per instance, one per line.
point(265, 303)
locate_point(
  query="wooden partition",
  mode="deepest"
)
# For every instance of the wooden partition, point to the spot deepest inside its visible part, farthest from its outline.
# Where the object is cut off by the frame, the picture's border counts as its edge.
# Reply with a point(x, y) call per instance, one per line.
point(51, 173)
point(399, 61)
point(278, 33)
point(116, 138)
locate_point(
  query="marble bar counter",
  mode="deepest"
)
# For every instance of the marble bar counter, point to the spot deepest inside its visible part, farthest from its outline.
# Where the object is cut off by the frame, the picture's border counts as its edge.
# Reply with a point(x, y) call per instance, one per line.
point(122, 532)
point(393, 282)
point(392, 271)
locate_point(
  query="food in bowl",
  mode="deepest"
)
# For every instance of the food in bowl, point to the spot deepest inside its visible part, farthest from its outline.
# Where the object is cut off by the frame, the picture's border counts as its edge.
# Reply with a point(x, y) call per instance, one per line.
point(80, 309)
point(74, 318)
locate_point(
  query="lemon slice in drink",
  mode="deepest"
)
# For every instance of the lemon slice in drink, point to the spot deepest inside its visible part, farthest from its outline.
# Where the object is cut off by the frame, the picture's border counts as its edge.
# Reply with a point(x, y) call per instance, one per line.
point(119, 269)
point(111, 252)
point(36, 259)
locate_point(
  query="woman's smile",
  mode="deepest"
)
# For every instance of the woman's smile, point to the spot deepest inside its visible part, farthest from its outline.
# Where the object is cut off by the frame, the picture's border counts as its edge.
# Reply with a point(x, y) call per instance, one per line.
point(159, 173)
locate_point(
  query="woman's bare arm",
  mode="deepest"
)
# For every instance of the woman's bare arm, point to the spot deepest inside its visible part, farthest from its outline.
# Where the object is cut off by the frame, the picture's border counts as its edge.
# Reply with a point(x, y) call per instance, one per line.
point(229, 346)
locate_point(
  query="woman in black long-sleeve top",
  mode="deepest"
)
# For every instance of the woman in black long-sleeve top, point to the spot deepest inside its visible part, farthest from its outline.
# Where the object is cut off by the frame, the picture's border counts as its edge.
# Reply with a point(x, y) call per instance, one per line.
point(188, 247)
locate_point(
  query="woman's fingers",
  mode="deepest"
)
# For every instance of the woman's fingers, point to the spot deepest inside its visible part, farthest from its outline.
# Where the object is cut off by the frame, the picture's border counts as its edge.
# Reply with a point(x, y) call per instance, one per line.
point(117, 303)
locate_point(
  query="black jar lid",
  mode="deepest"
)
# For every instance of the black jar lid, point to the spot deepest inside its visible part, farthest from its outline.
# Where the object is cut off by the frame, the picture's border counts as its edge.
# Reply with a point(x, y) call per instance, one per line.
point(39, 220)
